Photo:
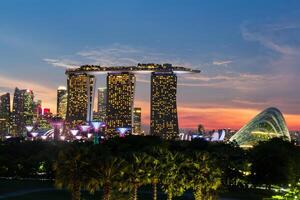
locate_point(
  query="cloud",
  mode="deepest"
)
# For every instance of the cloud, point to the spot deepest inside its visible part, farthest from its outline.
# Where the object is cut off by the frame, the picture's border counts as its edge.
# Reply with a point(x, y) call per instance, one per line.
point(61, 63)
point(116, 55)
point(222, 62)
point(214, 116)
point(265, 38)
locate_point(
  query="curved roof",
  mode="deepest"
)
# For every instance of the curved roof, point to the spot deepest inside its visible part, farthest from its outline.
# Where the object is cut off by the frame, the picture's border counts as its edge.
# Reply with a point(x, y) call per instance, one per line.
point(140, 68)
point(268, 124)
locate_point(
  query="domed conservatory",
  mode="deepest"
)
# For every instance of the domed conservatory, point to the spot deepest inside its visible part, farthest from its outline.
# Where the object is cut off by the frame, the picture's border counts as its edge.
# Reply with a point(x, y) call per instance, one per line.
point(268, 124)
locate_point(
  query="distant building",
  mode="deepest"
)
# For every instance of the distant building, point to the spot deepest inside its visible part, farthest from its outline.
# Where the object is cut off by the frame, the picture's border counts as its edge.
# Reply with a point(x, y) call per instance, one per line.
point(37, 110)
point(61, 102)
point(137, 121)
point(102, 103)
point(80, 98)
point(47, 113)
point(164, 121)
point(23, 110)
point(5, 113)
point(120, 88)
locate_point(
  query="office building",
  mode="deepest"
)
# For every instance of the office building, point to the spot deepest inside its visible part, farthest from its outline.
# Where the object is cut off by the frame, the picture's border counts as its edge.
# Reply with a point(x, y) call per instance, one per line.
point(4, 114)
point(61, 102)
point(120, 96)
point(80, 98)
point(164, 121)
point(23, 110)
point(37, 111)
point(102, 103)
point(137, 121)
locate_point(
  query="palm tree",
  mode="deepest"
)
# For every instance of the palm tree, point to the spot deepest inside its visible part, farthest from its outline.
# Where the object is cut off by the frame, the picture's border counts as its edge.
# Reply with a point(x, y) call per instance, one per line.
point(156, 165)
point(172, 180)
point(71, 169)
point(106, 171)
point(203, 176)
point(136, 173)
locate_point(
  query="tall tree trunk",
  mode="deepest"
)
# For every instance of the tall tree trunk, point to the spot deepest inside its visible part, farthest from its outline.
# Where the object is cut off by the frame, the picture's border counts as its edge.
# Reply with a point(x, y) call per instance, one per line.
point(106, 191)
point(154, 190)
point(134, 192)
point(76, 195)
point(198, 195)
point(170, 196)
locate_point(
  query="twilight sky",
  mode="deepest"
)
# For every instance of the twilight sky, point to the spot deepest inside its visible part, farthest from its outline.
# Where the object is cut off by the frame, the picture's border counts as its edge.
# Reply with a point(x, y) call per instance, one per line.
point(248, 51)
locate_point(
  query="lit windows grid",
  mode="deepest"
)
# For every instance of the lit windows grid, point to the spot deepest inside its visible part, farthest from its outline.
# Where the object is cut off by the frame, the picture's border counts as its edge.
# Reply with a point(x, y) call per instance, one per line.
point(120, 97)
point(164, 120)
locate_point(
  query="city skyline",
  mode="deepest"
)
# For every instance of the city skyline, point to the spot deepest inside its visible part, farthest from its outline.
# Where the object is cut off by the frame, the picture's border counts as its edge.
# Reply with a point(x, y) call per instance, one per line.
point(251, 64)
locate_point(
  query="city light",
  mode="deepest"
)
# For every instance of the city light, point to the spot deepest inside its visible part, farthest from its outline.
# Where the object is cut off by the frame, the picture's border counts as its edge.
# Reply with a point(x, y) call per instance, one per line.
point(122, 131)
point(97, 125)
point(44, 137)
point(29, 128)
point(74, 132)
point(34, 134)
point(85, 128)
point(78, 137)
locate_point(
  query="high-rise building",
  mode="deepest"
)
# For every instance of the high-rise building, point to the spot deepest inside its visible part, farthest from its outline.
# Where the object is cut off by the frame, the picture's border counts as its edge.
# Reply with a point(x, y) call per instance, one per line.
point(37, 111)
point(120, 88)
point(137, 121)
point(4, 113)
point(62, 99)
point(102, 103)
point(164, 121)
point(80, 98)
point(23, 110)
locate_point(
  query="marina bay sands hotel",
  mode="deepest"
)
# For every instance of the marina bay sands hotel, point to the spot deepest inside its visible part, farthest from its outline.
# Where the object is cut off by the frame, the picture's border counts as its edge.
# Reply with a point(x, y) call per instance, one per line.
point(120, 96)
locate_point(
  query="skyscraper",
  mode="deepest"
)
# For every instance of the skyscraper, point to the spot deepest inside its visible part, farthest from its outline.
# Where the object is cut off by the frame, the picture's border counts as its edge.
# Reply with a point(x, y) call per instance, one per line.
point(120, 88)
point(23, 109)
point(37, 110)
point(62, 99)
point(102, 103)
point(80, 98)
point(164, 121)
point(4, 113)
point(137, 121)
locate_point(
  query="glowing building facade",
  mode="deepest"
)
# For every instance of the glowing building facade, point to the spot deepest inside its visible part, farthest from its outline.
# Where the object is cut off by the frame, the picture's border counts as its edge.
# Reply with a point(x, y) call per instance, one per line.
point(137, 121)
point(80, 98)
point(120, 96)
point(164, 121)
point(23, 110)
point(102, 103)
point(266, 125)
point(4, 113)
point(62, 100)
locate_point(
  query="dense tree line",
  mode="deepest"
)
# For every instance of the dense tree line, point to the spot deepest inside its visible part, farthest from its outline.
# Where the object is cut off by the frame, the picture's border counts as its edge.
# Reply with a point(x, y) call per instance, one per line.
point(127, 164)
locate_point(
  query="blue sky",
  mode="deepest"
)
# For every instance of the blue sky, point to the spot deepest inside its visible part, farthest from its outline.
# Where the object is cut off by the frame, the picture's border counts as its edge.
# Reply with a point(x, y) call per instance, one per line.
point(248, 50)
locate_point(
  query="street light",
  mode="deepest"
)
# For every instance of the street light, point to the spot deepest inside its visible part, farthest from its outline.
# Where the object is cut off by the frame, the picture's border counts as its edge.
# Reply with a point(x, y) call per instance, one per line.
point(89, 135)
point(57, 124)
point(8, 136)
point(122, 131)
point(97, 125)
point(29, 129)
point(74, 132)
point(34, 135)
point(78, 137)
point(44, 137)
point(84, 129)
